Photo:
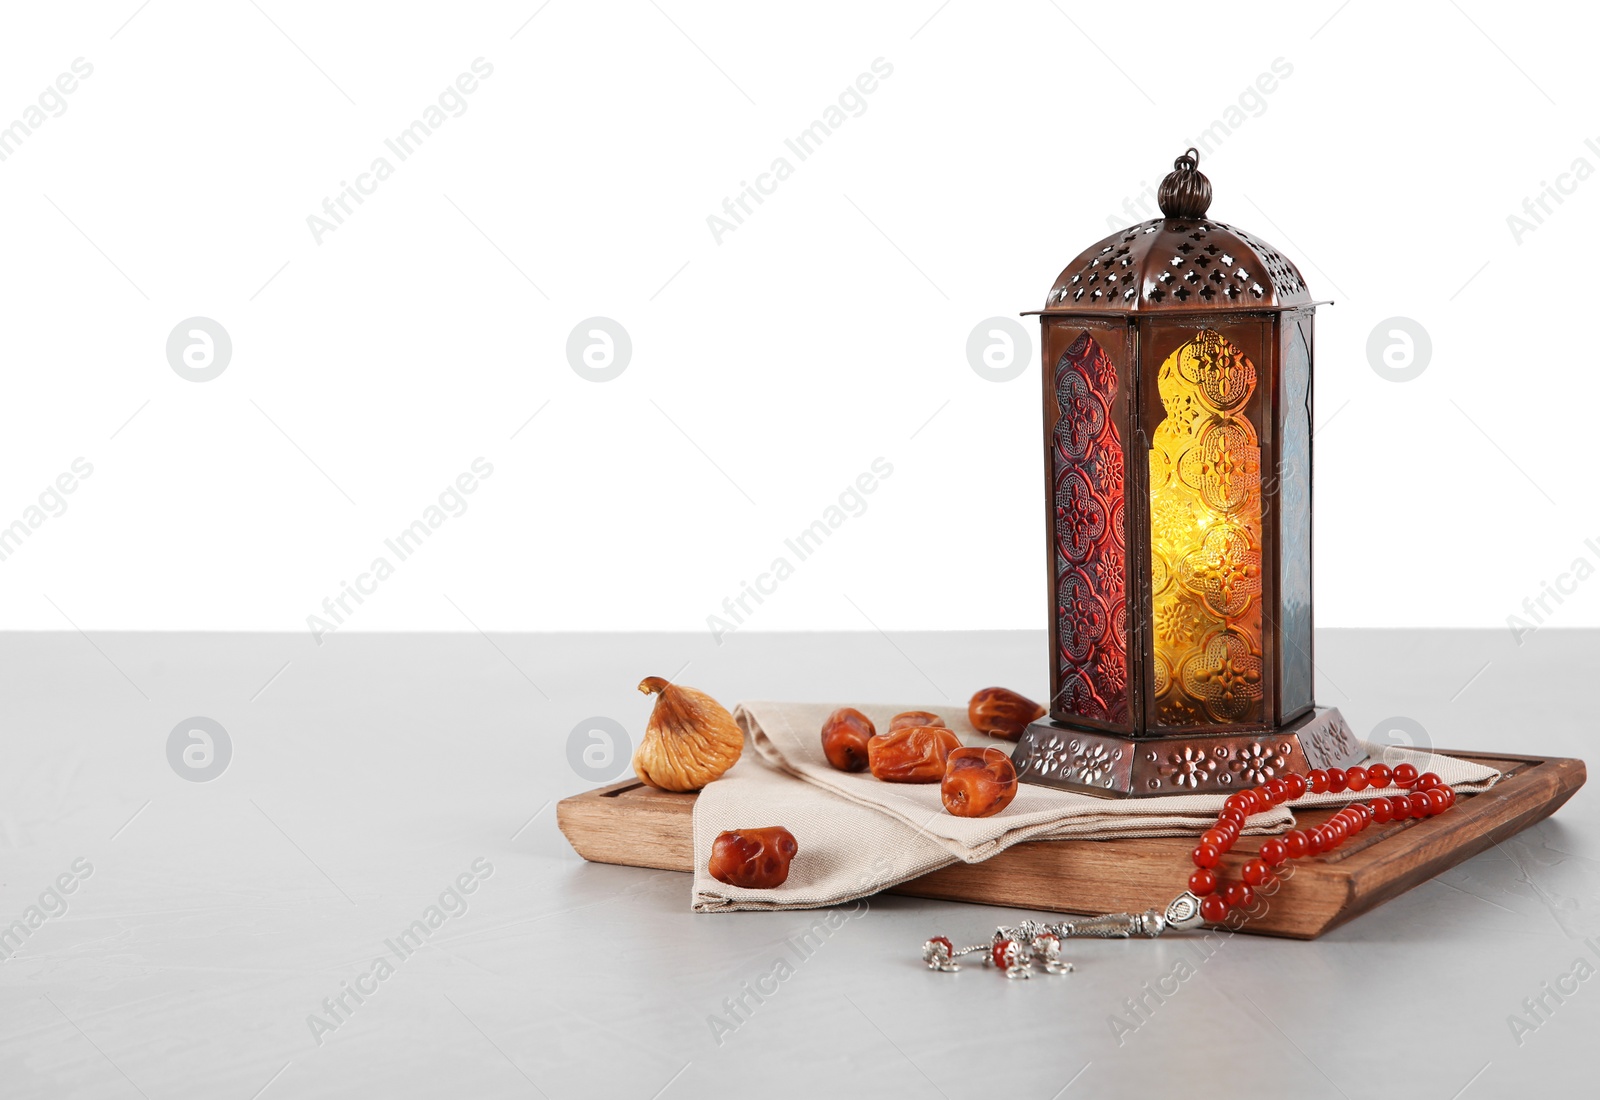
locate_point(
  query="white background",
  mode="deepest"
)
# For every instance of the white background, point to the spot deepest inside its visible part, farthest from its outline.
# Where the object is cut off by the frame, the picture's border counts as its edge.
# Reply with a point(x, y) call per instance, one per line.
point(771, 368)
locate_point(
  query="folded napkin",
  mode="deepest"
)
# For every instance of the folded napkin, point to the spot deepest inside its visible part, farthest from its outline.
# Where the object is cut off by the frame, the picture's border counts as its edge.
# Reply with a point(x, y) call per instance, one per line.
point(858, 835)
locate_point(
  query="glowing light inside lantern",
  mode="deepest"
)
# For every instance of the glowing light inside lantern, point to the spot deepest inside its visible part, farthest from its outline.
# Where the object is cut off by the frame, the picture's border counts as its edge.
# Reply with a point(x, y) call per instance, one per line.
point(1205, 556)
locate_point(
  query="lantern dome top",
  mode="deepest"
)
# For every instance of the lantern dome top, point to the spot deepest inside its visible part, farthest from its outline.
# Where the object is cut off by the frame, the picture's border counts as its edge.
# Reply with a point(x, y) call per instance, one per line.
point(1183, 262)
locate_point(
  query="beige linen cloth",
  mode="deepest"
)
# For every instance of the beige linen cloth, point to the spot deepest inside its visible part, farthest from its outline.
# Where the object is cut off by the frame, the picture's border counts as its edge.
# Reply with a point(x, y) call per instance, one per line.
point(858, 835)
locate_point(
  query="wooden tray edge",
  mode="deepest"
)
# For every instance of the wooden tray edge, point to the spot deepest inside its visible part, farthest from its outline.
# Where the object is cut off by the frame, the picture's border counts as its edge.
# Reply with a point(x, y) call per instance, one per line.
point(588, 820)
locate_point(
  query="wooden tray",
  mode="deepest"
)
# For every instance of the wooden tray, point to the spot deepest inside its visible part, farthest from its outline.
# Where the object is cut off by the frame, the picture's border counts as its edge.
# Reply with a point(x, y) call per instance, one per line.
point(639, 826)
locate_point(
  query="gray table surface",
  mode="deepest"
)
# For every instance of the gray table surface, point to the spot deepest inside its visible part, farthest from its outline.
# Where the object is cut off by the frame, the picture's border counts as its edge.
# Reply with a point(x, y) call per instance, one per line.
point(367, 774)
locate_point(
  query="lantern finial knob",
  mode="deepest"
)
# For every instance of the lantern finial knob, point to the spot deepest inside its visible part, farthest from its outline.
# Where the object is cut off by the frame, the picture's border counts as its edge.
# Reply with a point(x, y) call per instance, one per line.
point(1185, 192)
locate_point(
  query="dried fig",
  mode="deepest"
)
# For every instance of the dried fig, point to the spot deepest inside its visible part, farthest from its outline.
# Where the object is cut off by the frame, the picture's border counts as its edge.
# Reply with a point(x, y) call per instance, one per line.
point(844, 739)
point(915, 718)
point(755, 859)
point(911, 754)
point(1002, 713)
point(690, 740)
point(978, 782)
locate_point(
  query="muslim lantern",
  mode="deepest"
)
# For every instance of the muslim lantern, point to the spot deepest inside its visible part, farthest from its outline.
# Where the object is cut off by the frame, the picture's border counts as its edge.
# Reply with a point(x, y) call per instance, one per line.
point(1177, 432)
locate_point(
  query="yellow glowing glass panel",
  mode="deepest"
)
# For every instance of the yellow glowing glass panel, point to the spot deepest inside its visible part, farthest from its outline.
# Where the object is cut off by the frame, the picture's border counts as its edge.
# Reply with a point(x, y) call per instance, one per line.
point(1205, 555)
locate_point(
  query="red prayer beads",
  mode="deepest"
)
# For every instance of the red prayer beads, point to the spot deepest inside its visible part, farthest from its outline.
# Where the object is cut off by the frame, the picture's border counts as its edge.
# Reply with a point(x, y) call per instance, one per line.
point(1429, 795)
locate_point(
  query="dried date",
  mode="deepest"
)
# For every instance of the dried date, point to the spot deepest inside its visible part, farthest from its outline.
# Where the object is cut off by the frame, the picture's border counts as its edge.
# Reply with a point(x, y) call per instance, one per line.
point(911, 754)
point(909, 718)
point(978, 782)
point(1000, 712)
point(754, 859)
point(844, 739)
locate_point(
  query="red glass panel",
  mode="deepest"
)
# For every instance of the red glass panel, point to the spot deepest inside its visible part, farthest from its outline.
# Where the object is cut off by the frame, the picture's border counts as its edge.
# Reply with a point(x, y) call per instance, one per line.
point(1090, 537)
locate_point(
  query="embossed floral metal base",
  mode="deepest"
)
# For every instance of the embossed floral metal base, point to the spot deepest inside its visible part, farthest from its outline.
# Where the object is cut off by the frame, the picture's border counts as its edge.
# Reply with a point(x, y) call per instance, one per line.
point(1118, 766)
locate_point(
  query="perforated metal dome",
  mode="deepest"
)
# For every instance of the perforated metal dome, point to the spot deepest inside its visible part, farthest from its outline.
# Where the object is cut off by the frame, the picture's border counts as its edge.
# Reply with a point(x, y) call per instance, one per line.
point(1178, 264)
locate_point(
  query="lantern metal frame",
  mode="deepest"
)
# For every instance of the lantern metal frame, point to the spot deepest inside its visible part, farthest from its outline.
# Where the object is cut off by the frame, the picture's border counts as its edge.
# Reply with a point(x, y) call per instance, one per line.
point(1119, 312)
